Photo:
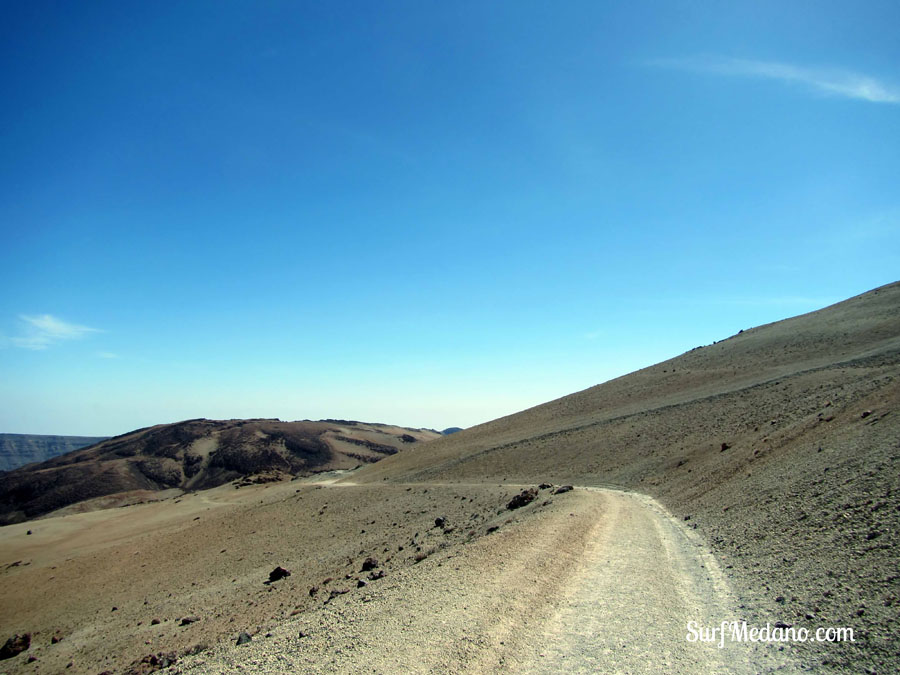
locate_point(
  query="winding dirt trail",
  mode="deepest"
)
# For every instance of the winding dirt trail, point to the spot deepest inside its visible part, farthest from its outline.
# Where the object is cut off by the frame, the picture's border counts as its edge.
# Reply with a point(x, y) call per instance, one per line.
point(642, 578)
point(605, 581)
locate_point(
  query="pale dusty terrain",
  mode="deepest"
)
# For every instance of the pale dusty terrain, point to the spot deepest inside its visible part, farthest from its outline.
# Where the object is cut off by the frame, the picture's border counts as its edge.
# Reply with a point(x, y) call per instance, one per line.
point(756, 478)
point(606, 584)
point(586, 580)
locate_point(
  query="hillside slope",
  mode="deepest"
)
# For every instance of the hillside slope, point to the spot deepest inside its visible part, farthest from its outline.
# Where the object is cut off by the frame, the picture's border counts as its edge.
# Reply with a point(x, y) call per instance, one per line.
point(20, 449)
point(193, 455)
point(780, 445)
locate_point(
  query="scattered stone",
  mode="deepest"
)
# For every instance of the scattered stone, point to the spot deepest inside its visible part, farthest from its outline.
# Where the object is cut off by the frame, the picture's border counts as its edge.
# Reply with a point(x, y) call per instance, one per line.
point(313, 590)
point(56, 639)
point(361, 584)
point(335, 593)
point(544, 486)
point(440, 522)
point(493, 528)
point(301, 634)
point(407, 438)
point(154, 622)
point(31, 658)
point(782, 624)
point(188, 620)
point(563, 488)
point(278, 573)
point(725, 447)
point(369, 564)
point(866, 413)
point(151, 663)
point(375, 576)
point(15, 646)
point(523, 498)
point(243, 639)
point(29, 532)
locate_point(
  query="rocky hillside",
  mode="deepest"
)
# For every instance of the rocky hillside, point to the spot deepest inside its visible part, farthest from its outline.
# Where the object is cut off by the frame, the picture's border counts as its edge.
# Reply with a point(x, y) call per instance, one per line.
point(20, 449)
point(197, 454)
point(778, 444)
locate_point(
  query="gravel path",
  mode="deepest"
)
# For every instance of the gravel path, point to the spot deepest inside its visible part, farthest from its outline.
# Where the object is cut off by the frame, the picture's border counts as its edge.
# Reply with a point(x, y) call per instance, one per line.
point(602, 581)
point(642, 578)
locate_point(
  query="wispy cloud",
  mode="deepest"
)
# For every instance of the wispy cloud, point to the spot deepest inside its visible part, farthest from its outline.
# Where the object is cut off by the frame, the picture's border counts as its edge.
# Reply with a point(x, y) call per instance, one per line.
point(42, 331)
point(832, 81)
point(107, 355)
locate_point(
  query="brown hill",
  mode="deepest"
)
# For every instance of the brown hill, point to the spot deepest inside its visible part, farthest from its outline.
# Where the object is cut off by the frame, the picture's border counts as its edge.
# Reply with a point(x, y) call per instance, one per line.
point(779, 444)
point(193, 455)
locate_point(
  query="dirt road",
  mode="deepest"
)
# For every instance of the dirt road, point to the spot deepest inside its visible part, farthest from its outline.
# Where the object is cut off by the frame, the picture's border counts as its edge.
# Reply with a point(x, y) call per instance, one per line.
point(642, 578)
point(602, 581)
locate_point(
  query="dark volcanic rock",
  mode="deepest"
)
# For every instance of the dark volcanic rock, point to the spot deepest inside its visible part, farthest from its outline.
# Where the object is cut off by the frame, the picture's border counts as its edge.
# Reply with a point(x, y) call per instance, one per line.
point(15, 645)
point(278, 573)
point(151, 663)
point(369, 564)
point(563, 488)
point(523, 498)
point(243, 638)
point(335, 593)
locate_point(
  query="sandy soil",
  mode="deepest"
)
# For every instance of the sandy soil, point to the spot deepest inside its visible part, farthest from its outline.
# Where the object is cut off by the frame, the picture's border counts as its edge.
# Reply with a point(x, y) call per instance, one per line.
point(586, 580)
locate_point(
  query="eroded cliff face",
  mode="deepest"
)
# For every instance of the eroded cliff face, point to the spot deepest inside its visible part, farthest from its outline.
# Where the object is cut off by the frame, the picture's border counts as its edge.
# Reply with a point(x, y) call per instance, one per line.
point(20, 449)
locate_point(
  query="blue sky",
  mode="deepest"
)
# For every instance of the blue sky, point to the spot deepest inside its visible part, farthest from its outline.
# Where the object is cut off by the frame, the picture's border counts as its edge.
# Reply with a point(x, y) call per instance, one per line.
point(423, 213)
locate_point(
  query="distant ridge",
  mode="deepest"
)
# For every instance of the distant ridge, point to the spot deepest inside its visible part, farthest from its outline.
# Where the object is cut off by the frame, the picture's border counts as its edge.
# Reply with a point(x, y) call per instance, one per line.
point(451, 430)
point(193, 455)
point(20, 449)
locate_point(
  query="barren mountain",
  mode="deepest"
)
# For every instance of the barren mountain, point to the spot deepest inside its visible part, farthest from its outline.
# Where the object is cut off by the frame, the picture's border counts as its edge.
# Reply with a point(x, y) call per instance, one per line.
point(193, 455)
point(757, 479)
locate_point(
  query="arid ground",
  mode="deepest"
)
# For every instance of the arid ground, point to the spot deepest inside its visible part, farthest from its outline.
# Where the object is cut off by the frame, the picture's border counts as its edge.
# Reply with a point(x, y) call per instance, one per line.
point(756, 478)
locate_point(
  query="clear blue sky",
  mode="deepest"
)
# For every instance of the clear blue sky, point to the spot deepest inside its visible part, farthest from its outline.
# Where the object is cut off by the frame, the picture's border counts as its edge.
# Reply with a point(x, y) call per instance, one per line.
point(425, 213)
